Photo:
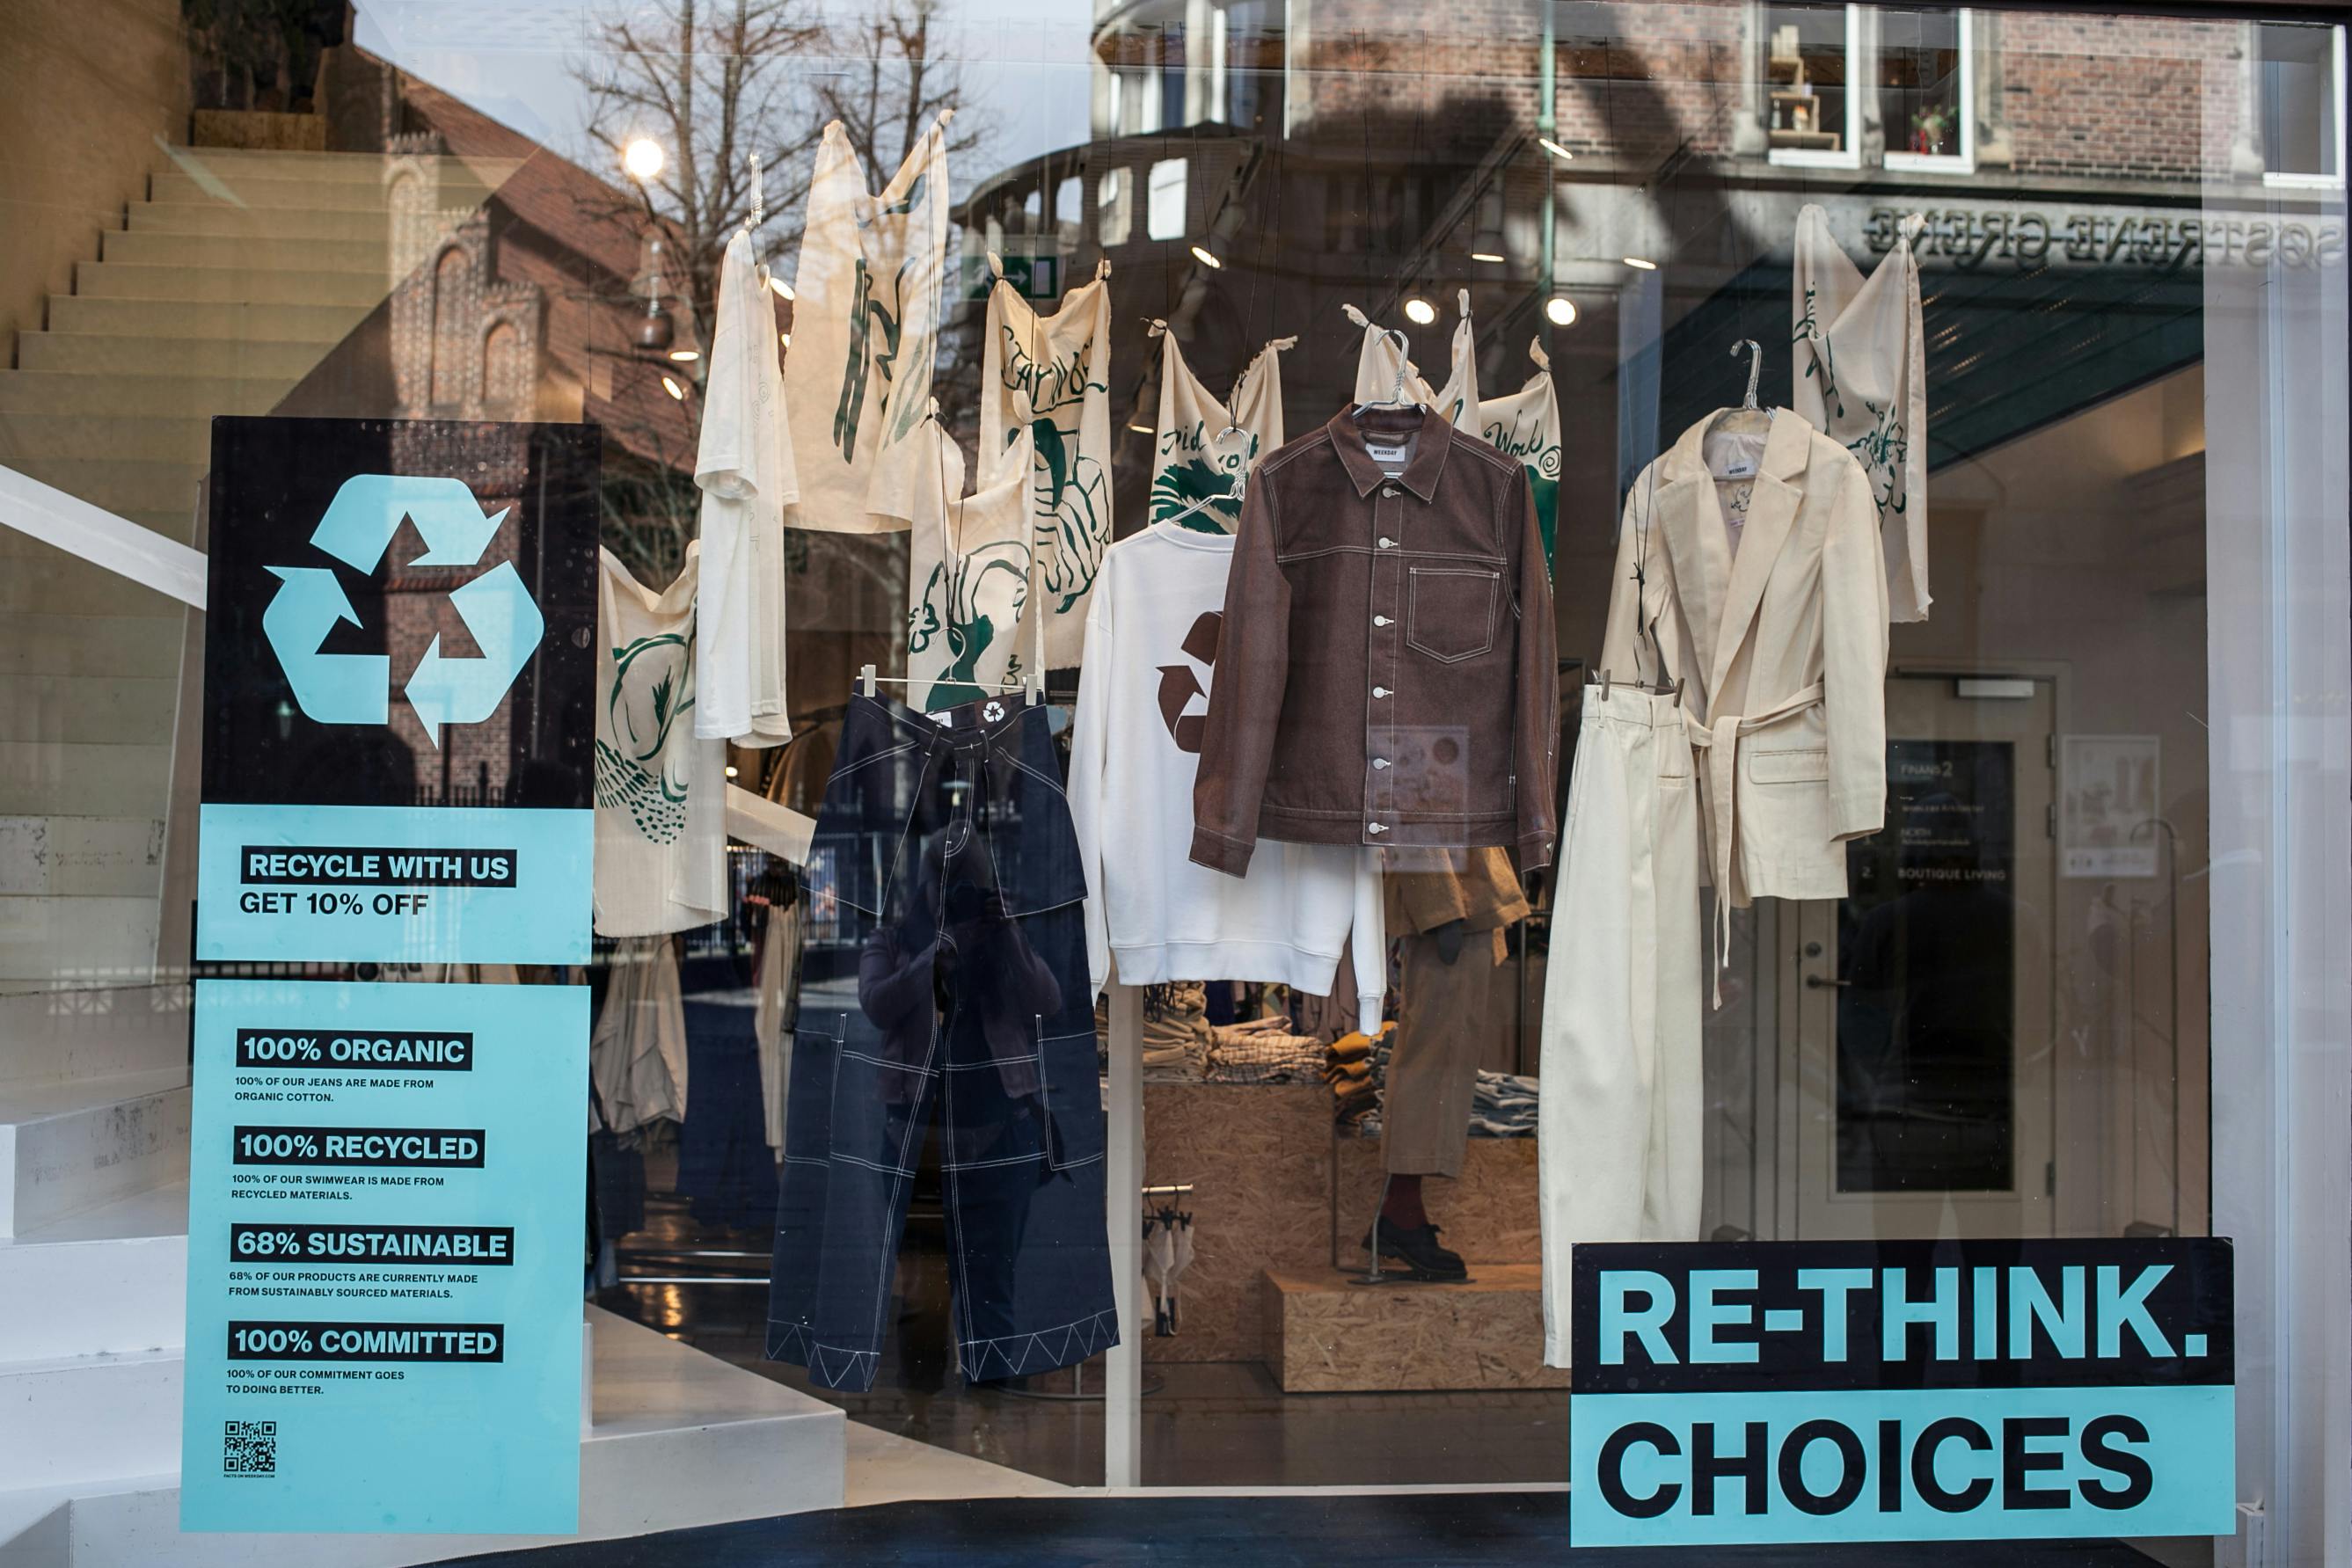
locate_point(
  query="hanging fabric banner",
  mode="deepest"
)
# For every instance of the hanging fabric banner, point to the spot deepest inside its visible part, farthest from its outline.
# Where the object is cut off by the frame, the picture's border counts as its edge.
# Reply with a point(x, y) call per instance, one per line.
point(1376, 366)
point(661, 808)
point(1860, 369)
point(1051, 375)
point(1526, 424)
point(866, 316)
point(968, 575)
point(1203, 447)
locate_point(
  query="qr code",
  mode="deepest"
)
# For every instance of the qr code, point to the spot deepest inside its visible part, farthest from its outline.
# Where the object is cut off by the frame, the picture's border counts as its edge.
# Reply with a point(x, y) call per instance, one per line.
point(249, 1447)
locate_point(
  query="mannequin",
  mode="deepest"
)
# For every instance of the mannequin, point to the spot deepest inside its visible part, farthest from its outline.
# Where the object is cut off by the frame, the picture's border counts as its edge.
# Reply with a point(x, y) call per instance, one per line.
point(1450, 918)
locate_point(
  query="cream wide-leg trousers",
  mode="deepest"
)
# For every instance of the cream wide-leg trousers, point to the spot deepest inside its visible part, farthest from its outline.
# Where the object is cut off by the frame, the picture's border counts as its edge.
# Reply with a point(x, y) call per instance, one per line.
point(1618, 1112)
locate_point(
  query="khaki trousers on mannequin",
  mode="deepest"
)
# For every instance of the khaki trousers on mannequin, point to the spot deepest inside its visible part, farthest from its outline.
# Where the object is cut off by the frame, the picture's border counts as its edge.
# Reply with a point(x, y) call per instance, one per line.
point(1446, 1012)
point(1618, 1118)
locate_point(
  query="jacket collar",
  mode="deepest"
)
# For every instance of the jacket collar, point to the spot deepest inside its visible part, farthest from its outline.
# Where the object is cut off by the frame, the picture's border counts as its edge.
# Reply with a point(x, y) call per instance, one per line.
point(1721, 591)
point(1430, 433)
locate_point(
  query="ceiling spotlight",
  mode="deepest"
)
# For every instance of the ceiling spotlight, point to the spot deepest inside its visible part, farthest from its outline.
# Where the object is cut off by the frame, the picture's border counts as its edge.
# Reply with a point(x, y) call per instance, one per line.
point(1560, 311)
point(785, 339)
point(643, 158)
point(1641, 264)
point(1420, 311)
point(674, 389)
point(685, 356)
point(784, 290)
point(731, 770)
point(1204, 258)
point(1554, 148)
point(1485, 255)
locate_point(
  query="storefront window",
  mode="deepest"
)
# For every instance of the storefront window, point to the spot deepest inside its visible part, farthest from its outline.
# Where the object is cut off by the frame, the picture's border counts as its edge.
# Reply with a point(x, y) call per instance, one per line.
point(1257, 667)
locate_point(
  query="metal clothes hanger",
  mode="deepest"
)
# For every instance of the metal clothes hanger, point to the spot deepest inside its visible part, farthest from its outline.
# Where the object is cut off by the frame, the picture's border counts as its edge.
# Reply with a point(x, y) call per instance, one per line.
point(1396, 398)
point(1736, 420)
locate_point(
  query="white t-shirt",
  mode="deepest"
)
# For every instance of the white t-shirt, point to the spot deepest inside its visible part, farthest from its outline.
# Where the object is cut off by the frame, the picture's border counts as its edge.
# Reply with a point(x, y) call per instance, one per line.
point(661, 808)
point(745, 469)
point(1143, 694)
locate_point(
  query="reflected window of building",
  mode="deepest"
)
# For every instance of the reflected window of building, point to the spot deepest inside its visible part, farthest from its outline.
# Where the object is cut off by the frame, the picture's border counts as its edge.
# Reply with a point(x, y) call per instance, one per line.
point(1164, 216)
point(2299, 91)
point(1114, 208)
point(1812, 113)
point(1926, 78)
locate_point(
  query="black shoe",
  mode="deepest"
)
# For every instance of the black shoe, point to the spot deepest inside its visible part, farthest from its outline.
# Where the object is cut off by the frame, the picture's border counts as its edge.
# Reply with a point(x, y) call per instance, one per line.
point(1416, 1247)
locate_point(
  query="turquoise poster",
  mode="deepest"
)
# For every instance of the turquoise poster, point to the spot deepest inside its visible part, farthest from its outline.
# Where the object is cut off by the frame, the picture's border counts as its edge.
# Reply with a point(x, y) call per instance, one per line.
point(1744, 1392)
point(386, 1188)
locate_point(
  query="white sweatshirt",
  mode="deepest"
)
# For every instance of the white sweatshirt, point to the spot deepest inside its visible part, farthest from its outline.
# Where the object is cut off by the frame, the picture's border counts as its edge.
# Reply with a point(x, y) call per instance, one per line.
point(1151, 637)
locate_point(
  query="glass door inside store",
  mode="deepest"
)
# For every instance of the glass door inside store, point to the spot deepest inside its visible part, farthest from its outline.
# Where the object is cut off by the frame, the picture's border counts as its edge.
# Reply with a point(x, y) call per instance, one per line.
point(1920, 1065)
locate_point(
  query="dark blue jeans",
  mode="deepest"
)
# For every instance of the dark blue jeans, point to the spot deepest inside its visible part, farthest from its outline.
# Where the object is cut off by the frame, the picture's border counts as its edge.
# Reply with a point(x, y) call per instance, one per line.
point(956, 874)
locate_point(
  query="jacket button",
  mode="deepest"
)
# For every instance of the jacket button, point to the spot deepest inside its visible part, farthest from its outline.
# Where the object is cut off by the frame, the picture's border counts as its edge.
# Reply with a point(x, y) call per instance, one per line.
point(1375, 828)
point(1387, 543)
point(1389, 491)
point(1379, 762)
point(1379, 691)
point(1379, 620)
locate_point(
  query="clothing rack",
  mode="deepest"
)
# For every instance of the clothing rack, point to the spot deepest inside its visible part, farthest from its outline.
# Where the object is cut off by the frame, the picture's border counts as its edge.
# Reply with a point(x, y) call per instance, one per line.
point(1178, 1190)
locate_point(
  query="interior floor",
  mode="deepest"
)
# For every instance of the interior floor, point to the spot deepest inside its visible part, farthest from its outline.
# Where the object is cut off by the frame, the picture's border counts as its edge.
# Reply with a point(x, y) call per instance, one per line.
point(1204, 1424)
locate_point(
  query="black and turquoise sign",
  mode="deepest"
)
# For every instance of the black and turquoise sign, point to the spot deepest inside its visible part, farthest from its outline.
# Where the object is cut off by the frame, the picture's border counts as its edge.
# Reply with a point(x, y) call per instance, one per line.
point(399, 674)
point(1755, 1392)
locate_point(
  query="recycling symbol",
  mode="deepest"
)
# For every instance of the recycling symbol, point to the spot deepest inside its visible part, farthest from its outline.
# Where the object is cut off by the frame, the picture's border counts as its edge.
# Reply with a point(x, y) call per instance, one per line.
point(358, 528)
point(1179, 685)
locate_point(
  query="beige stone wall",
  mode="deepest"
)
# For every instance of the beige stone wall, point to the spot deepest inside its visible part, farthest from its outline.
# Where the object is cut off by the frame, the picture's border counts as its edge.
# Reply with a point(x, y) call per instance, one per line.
point(86, 86)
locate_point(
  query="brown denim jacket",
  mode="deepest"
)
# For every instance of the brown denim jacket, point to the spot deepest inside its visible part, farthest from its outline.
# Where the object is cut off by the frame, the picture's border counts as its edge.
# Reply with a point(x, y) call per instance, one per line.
point(1385, 671)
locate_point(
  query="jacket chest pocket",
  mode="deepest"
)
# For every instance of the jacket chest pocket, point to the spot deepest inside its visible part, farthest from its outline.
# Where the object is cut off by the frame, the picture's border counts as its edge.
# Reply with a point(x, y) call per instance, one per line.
point(1450, 612)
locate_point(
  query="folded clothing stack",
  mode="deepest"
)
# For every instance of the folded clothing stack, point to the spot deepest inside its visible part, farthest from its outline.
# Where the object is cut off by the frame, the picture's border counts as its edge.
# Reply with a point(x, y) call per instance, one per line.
point(1262, 1050)
point(1503, 1105)
point(1175, 1029)
point(1348, 1067)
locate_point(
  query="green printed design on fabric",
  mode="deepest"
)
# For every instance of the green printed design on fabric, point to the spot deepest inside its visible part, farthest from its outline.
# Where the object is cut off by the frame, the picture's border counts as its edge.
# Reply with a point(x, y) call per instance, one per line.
point(648, 676)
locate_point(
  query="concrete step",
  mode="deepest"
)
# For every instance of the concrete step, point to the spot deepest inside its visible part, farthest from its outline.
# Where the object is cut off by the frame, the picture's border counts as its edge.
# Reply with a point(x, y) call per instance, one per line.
point(37, 576)
point(68, 1147)
point(679, 1439)
point(80, 857)
point(61, 946)
point(287, 191)
point(300, 224)
point(113, 436)
point(82, 1421)
point(105, 354)
point(145, 647)
point(83, 710)
point(199, 396)
point(253, 323)
point(110, 1280)
point(48, 777)
point(223, 285)
point(156, 247)
point(1334, 1336)
point(119, 485)
point(60, 1036)
point(241, 168)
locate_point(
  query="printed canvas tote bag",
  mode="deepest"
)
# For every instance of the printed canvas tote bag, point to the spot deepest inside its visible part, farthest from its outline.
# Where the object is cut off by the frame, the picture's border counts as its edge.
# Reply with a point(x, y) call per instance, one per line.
point(1860, 376)
point(1202, 447)
point(866, 317)
point(968, 575)
point(1526, 424)
point(1050, 375)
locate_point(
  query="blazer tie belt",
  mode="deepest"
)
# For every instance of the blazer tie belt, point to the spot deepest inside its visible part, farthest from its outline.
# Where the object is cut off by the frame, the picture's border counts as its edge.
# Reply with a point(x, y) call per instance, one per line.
point(1720, 740)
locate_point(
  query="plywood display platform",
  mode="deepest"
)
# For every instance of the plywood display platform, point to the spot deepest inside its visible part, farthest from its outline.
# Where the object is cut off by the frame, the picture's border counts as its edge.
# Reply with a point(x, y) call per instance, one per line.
point(1332, 1335)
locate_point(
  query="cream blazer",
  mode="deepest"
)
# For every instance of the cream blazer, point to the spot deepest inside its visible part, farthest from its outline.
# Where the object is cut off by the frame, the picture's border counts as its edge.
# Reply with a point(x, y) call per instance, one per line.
point(1780, 642)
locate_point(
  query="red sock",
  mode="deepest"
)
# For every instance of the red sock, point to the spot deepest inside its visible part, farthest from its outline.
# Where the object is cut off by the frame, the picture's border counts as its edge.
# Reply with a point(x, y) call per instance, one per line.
point(1402, 1207)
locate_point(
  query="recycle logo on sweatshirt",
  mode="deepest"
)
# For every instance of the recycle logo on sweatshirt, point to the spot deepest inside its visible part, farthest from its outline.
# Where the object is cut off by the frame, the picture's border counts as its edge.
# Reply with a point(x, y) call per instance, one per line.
point(358, 528)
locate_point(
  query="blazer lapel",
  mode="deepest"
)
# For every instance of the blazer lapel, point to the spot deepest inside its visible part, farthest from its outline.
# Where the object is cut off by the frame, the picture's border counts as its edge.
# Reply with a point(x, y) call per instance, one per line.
point(1691, 527)
point(1772, 508)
